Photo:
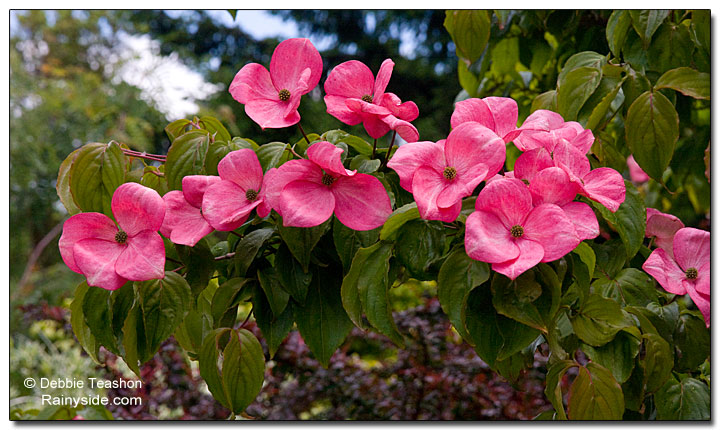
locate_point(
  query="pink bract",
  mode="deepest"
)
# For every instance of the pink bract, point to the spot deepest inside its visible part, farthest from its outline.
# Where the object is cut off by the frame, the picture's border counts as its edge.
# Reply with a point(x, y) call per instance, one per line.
point(271, 98)
point(508, 232)
point(440, 174)
point(227, 203)
point(688, 271)
point(184, 222)
point(663, 227)
point(637, 174)
point(109, 255)
point(547, 129)
point(307, 192)
point(353, 96)
point(499, 114)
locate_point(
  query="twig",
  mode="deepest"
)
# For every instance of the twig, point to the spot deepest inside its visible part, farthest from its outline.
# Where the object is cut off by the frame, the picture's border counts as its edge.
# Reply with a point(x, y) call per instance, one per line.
point(374, 146)
point(303, 133)
point(225, 257)
point(292, 150)
point(35, 255)
point(392, 142)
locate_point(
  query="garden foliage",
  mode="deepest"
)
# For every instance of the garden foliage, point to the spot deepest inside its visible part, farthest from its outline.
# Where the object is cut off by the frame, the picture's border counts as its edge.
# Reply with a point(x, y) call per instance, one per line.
point(521, 216)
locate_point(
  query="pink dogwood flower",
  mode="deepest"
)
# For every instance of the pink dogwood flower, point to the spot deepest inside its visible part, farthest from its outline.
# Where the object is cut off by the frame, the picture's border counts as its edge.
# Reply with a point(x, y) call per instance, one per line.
point(508, 232)
point(184, 222)
point(637, 174)
point(547, 129)
point(440, 174)
point(604, 185)
point(227, 203)
point(499, 114)
point(662, 227)
point(353, 96)
point(108, 254)
point(688, 271)
point(307, 192)
point(272, 98)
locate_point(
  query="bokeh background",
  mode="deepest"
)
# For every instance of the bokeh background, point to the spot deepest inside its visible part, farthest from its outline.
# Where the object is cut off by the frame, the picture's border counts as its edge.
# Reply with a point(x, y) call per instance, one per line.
point(95, 76)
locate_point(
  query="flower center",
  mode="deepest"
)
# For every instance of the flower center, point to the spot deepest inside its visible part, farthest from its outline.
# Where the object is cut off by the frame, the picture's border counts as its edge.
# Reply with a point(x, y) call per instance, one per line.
point(517, 231)
point(120, 237)
point(251, 195)
point(367, 98)
point(327, 179)
point(449, 173)
point(691, 273)
point(284, 95)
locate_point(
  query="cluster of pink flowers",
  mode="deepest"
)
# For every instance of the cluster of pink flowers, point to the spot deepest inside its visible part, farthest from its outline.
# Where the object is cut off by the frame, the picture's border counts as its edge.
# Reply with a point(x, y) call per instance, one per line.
point(681, 261)
point(521, 218)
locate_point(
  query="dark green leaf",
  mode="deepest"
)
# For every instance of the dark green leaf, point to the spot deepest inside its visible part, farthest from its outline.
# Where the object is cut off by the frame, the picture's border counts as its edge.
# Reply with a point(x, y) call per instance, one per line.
point(243, 369)
point(628, 220)
point(97, 309)
point(397, 219)
point(274, 328)
point(186, 156)
point(248, 248)
point(176, 128)
point(277, 297)
point(348, 241)
point(553, 390)
point(218, 150)
point(618, 355)
point(546, 100)
point(671, 47)
point(301, 241)
point(598, 320)
point(215, 128)
point(595, 395)
point(470, 30)
point(200, 264)
point(225, 301)
point(62, 187)
point(692, 342)
point(322, 321)
point(658, 362)
point(686, 80)
point(363, 164)
point(688, 399)
point(420, 243)
point(271, 154)
point(79, 326)
point(646, 22)
point(581, 59)
point(576, 89)
point(208, 365)
point(629, 287)
point(458, 275)
point(617, 29)
point(292, 276)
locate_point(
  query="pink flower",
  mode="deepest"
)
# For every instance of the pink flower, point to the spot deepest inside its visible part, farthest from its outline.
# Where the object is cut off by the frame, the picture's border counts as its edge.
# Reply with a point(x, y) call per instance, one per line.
point(271, 98)
point(440, 174)
point(547, 129)
point(307, 192)
point(499, 114)
point(688, 271)
point(109, 255)
point(184, 223)
point(604, 185)
point(227, 203)
point(355, 96)
point(663, 227)
point(508, 232)
point(637, 174)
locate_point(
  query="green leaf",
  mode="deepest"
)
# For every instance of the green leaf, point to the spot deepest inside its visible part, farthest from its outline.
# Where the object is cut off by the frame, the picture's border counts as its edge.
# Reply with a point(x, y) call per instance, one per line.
point(598, 320)
point(270, 154)
point(671, 47)
point(629, 287)
point(608, 261)
point(134, 343)
point(292, 276)
point(164, 303)
point(600, 109)
point(366, 284)
point(576, 88)
point(200, 264)
point(363, 164)
point(177, 128)
point(581, 59)
point(546, 100)
point(301, 241)
point(628, 220)
point(215, 128)
point(618, 355)
point(684, 400)
point(687, 81)
point(243, 369)
point(658, 362)
point(208, 366)
point(248, 248)
point(470, 30)
point(274, 328)
point(322, 321)
point(505, 55)
point(692, 342)
point(634, 390)
point(553, 390)
point(617, 30)
point(595, 395)
point(340, 136)
point(646, 22)
point(276, 296)
point(514, 299)
point(458, 276)
point(97, 309)
point(587, 255)
point(225, 300)
point(468, 81)
point(420, 243)
point(79, 326)
point(218, 150)
point(397, 219)
point(348, 241)
point(97, 170)
point(62, 187)
point(186, 156)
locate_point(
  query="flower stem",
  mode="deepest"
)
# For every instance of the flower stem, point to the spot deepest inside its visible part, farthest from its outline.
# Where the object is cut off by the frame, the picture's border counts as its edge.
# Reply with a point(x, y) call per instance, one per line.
point(374, 146)
point(225, 257)
point(136, 154)
point(292, 150)
point(303, 133)
point(392, 142)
